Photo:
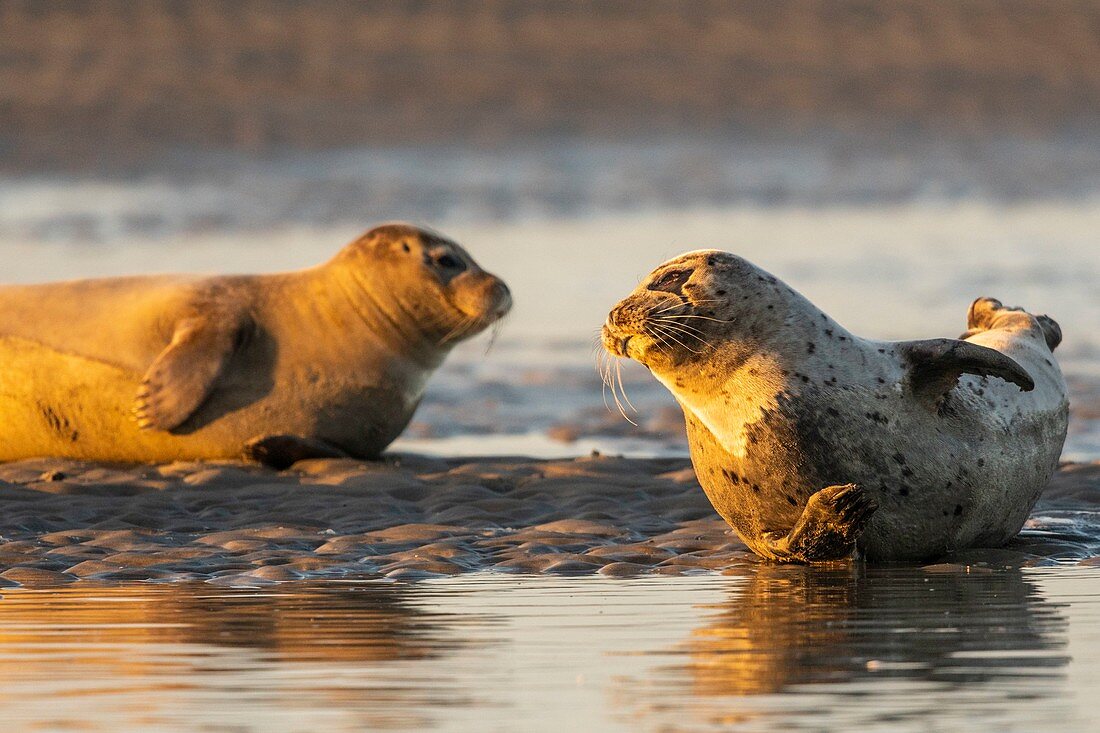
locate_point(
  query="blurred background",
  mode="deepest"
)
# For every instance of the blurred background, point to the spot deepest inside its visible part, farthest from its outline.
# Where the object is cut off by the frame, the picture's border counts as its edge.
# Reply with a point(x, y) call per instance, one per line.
point(890, 159)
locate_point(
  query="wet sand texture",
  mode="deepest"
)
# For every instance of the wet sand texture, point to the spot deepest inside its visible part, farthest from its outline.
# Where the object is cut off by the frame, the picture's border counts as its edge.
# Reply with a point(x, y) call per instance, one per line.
point(411, 517)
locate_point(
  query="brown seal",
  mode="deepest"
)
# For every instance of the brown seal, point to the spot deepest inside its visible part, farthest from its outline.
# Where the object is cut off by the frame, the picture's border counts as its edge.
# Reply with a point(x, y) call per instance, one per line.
point(326, 361)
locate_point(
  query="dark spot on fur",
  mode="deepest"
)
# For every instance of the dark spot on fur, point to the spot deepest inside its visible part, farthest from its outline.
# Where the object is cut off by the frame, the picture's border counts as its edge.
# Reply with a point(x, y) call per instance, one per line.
point(829, 332)
point(791, 500)
point(810, 347)
point(881, 380)
point(771, 307)
point(981, 462)
point(882, 351)
point(904, 491)
point(832, 411)
point(906, 472)
point(842, 338)
point(958, 509)
point(805, 379)
point(899, 458)
point(721, 292)
point(59, 424)
point(878, 417)
point(711, 262)
point(756, 488)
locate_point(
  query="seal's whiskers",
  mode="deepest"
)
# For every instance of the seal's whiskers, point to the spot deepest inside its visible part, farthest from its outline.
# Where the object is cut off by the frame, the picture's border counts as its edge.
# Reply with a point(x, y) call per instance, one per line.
point(498, 325)
point(666, 331)
point(682, 328)
point(622, 387)
point(705, 318)
point(674, 306)
point(465, 326)
point(613, 379)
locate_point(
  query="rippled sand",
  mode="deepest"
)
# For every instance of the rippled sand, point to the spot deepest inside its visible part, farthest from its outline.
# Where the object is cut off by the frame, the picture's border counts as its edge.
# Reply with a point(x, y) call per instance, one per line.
point(411, 517)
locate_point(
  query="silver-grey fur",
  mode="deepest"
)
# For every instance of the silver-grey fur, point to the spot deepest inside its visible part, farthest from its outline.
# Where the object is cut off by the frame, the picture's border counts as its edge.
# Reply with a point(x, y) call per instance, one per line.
point(811, 441)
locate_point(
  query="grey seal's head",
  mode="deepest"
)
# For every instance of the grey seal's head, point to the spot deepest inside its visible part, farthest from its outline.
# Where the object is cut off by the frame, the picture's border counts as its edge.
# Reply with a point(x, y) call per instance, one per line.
point(421, 285)
point(703, 307)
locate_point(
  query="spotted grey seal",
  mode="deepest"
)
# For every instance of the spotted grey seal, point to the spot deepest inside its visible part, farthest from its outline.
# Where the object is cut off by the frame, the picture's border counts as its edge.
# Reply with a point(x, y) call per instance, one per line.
point(812, 442)
point(321, 362)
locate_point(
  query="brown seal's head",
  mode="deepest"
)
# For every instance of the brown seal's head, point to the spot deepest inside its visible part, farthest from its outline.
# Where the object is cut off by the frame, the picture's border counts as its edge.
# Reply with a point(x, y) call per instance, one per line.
point(693, 307)
point(422, 284)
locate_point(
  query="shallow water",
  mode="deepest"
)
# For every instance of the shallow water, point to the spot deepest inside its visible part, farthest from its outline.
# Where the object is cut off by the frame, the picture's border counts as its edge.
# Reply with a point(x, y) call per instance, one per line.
point(772, 648)
point(262, 608)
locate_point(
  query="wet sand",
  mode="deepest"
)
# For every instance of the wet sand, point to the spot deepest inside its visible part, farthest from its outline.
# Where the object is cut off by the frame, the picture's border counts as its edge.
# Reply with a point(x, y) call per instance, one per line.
point(411, 517)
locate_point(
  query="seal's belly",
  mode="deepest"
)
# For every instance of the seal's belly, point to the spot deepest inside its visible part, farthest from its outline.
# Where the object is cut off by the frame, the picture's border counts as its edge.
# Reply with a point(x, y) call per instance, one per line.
point(942, 483)
point(955, 490)
point(58, 404)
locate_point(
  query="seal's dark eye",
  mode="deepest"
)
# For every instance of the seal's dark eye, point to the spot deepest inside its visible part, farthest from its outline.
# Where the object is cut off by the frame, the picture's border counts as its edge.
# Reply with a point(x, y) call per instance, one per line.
point(450, 262)
point(671, 280)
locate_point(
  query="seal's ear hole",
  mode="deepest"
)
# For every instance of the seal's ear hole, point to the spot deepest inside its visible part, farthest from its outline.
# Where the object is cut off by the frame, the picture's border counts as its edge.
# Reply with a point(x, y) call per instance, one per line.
point(671, 281)
point(405, 246)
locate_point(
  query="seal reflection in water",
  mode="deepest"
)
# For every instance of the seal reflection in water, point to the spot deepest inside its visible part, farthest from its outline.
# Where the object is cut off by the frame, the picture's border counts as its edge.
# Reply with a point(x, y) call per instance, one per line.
point(324, 362)
point(812, 442)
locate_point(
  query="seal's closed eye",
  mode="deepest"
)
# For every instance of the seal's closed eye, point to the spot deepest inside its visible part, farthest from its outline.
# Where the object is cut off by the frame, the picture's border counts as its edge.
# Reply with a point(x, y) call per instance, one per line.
point(450, 262)
point(671, 281)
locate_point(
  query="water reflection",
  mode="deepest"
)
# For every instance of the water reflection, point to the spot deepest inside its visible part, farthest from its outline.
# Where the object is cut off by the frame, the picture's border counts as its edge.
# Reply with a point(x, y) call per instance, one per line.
point(774, 648)
point(874, 636)
point(187, 654)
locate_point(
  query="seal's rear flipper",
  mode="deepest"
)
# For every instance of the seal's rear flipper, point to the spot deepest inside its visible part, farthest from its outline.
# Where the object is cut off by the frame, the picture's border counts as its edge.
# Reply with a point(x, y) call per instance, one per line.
point(935, 366)
point(1052, 332)
point(283, 451)
point(181, 377)
point(988, 313)
point(828, 528)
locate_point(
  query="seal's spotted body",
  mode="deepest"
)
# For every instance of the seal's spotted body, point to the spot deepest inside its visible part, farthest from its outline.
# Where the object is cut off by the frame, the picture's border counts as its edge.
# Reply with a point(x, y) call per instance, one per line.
point(809, 440)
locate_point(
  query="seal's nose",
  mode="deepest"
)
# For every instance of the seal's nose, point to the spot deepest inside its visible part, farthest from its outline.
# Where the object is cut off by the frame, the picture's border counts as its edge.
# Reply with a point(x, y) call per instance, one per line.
point(613, 317)
point(502, 296)
point(613, 341)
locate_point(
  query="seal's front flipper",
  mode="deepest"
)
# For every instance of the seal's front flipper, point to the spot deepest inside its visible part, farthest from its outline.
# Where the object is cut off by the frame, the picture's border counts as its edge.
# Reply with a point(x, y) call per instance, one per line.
point(182, 375)
point(935, 366)
point(828, 529)
point(283, 451)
